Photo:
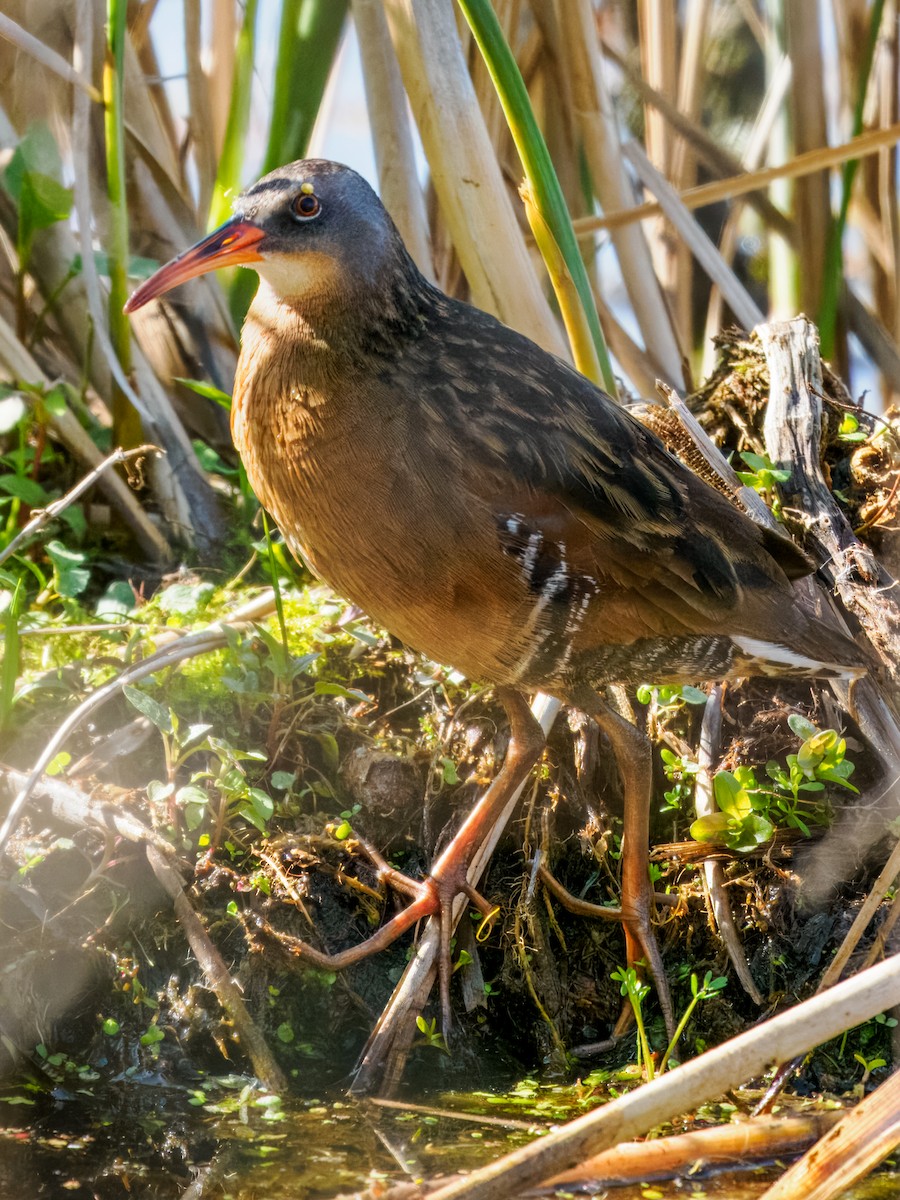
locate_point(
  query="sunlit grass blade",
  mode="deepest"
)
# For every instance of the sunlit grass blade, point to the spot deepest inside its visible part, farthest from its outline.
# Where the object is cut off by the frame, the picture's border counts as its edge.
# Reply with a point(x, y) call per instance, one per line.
point(544, 186)
point(584, 351)
point(9, 670)
point(307, 43)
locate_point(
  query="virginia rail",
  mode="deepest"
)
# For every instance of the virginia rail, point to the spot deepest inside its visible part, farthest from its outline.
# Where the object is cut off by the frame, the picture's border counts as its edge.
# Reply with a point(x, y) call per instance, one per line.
point(486, 504)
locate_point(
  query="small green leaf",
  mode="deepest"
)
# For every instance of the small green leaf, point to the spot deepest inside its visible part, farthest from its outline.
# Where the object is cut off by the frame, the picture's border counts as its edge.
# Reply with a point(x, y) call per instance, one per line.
point(730, 794)
point(207, 390)
point(58, 764)
point(36, 151)
point(711, 828)
point(263, 804)
point(117, 601)
point(55, 401)
point(184, 598)
point(449, 774)
point(152, 709)
point(110, 1027)
point(71, 577)
point(29, 491)
point(826, 742)
point(157, 791)
point(756, 462)
point(802, 727)
point(329, 746)
point(751, 832)
point(850, 431)
point(74, 517)
point(325, 688)
point(191, 793)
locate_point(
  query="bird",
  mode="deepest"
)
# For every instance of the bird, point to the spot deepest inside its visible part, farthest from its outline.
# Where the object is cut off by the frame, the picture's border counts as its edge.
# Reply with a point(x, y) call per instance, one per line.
point(489, 506)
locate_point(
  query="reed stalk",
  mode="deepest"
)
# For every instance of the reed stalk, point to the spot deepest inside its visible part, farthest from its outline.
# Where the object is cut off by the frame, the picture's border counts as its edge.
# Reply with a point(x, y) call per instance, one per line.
point(126, 422)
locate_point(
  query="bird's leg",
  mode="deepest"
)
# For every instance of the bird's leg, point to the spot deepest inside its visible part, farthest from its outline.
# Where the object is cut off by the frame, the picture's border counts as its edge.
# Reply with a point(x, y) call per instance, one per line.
point(632, 751)
point(449, 873)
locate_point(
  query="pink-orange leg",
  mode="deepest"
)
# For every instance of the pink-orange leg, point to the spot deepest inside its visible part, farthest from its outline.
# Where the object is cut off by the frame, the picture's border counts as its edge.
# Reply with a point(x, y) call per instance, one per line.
point(448, 877)
point(632, 751)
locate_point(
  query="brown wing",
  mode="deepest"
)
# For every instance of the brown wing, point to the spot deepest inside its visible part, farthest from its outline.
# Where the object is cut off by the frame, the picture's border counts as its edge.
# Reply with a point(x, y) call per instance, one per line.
point(574, 481)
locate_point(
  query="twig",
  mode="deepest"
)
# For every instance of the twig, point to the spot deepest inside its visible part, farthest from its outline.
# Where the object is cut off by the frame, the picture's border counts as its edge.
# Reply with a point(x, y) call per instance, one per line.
point(450, 1114)
point(734, 1144)
point(43, 516)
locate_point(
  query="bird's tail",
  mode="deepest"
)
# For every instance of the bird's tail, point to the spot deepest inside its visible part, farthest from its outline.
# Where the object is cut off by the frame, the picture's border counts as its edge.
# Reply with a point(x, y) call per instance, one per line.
point(814, 650)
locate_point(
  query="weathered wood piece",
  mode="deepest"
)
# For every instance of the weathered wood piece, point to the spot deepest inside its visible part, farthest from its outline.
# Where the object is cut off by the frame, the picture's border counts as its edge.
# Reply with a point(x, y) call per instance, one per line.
point(793, 431)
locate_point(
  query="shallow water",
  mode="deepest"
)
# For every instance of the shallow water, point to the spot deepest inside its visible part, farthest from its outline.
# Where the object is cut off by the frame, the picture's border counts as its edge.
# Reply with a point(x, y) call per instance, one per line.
point(139, 1141)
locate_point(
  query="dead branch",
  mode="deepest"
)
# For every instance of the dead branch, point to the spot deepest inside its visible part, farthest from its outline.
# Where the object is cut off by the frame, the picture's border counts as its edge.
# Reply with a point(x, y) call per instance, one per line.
point(44, 516)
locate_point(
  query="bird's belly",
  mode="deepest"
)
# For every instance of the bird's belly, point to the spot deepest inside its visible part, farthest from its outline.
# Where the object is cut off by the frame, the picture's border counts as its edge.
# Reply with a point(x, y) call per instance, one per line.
point(434, 593)
point(427, 605)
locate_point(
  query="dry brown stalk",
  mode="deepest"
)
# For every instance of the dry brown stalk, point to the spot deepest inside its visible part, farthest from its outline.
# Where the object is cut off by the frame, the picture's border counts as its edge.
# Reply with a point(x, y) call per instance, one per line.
point(751, 181)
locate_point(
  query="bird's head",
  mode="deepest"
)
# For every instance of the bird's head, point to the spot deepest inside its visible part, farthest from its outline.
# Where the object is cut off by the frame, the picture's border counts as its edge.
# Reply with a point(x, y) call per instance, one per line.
point(310, 229)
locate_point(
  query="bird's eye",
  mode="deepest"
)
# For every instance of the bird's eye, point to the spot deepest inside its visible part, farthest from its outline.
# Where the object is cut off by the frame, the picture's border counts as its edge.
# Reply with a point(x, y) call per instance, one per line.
point(306, 206)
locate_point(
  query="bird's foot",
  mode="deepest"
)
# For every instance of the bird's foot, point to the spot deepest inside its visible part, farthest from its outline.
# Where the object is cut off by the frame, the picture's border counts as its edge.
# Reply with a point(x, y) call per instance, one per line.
point(441, 894)
point(444, 892)
point(640, 939)
point(437, 895)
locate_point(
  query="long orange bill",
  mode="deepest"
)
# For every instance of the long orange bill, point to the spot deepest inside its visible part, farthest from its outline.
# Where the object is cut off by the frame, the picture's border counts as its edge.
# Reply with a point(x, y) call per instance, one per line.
point(231, 244)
